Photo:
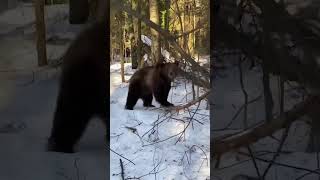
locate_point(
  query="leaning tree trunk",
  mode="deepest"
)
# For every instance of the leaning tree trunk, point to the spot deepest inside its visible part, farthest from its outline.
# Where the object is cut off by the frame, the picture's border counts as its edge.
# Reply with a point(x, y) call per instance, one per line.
point(155, 46)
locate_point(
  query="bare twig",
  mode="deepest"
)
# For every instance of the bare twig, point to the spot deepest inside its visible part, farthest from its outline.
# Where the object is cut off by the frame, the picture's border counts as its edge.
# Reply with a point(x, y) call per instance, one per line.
point(178, 108)
point(122, 170)
point(122, 156)
point(284, 136)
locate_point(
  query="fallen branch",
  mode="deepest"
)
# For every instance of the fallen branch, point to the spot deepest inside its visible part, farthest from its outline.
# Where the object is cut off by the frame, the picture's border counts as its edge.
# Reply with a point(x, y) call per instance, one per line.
point(178, 108)
point(122, 170)
point(122, 156)
point(264, 130)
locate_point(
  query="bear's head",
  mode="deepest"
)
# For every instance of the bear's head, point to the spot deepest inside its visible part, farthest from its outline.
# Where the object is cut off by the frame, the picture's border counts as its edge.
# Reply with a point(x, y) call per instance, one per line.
point(169, 70)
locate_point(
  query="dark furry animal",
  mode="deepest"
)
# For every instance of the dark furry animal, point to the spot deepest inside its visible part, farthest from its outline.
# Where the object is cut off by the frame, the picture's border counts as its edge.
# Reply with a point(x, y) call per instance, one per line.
point(153, 80)
point(83, 89)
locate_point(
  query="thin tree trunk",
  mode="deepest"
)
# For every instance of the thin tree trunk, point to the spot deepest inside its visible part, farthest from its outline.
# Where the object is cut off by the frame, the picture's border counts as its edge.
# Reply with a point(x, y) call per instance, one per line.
point(133, 40)
point(139, 43)
point(41, 33)
point(122, 52)
point(268, 100)
point(181, 24)
point(154, 17)
point(167, 20)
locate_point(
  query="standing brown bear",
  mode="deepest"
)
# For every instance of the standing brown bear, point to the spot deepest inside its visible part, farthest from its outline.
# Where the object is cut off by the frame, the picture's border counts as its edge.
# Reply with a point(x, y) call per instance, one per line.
point(152, 80)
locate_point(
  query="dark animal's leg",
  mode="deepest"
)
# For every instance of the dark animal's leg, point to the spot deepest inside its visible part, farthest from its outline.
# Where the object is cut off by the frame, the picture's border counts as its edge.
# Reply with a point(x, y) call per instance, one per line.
point(68, 125)
point(161, 95)
point(147, 100)
point(133, 96)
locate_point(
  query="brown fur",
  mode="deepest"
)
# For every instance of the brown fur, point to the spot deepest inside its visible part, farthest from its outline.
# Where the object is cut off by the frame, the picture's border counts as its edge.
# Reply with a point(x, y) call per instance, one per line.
point(152, 80)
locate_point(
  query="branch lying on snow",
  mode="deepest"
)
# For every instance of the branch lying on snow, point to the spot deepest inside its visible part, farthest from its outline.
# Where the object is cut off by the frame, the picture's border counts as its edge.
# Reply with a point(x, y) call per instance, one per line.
point(122, 156)
point(178, 108)
point(248, 137)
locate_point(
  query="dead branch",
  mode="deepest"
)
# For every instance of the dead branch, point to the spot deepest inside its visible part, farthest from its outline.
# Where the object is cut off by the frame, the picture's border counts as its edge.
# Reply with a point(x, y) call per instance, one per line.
point(122, 170)
point(200, 26)
point(122, 156)
point(264, 130)
point(178, 108)
point(283, 139)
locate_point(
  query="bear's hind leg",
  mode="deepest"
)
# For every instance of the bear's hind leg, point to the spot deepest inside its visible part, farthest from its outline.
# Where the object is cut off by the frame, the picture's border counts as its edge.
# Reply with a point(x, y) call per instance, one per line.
point(68, 126)
point(147, 100)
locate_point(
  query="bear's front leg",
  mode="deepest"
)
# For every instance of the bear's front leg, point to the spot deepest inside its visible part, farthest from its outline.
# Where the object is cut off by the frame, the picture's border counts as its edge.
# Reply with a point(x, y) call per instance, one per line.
point(161, 95)
point(132, 98)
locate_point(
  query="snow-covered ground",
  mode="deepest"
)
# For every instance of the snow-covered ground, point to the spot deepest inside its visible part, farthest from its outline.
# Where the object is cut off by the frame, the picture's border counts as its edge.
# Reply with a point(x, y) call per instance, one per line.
point(149, 137)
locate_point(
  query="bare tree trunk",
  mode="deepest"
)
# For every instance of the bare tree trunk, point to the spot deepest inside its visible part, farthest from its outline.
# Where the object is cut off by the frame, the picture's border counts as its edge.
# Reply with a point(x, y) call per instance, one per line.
point(41, 33)
point(139, 43)
point(154, 17)
point(122, 52)
point(133, 40)
point(181, 24)
point(268, 100)
point(167, 20)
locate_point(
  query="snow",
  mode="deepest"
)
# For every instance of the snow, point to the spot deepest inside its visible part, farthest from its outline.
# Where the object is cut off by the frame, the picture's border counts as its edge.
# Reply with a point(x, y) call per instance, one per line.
point(146, 40)
point(136, 135)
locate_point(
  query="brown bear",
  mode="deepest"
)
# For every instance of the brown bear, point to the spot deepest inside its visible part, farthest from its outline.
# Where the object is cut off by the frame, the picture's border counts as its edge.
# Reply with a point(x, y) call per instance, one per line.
point(152, 80)
point(83, 91)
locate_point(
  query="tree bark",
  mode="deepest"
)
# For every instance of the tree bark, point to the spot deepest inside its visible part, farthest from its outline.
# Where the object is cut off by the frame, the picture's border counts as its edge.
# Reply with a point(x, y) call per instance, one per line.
point(155, 46)
point(139, 42)
point(167, 20)
point(122, 54)
point(133, 41)
point(41, 33)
